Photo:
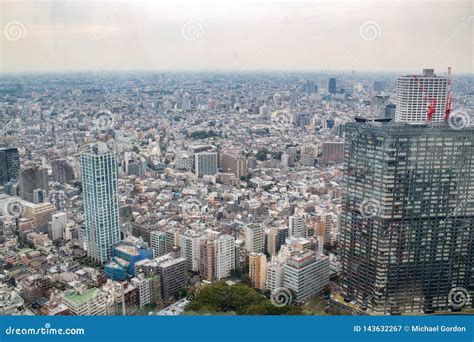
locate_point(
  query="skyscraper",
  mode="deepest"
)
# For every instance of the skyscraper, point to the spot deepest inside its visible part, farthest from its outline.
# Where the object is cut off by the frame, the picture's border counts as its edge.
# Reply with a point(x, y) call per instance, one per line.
point(62, 171)
point(415, 93)
point(332, 85)
point(407, 224)
point(9, 164)
point(32, 178)
point(101, 202)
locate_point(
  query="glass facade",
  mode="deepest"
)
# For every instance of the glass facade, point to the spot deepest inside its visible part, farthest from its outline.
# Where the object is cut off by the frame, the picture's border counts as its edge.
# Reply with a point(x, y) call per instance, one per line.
point(408, 216)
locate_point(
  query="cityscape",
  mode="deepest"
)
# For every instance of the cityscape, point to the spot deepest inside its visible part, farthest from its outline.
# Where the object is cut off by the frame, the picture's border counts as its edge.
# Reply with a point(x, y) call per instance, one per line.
point(236, 192)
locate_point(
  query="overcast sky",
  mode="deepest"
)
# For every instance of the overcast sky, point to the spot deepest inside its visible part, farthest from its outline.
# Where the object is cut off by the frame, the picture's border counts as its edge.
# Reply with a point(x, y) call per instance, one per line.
point(235, 35)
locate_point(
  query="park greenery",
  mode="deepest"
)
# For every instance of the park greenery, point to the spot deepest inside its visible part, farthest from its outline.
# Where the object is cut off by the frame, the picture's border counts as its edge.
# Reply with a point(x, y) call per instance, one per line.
point(238, 299)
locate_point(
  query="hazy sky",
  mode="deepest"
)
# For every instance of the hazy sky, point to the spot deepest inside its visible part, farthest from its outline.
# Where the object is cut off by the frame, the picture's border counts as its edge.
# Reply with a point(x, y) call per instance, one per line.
point(235, 35)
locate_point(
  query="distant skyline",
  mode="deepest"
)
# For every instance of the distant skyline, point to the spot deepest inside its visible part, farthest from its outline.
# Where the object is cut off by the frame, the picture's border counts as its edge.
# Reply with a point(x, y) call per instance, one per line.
point(245, 35)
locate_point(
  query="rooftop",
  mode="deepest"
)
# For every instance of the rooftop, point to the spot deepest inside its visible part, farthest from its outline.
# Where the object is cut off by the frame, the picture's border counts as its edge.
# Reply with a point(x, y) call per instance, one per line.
point(78, 298)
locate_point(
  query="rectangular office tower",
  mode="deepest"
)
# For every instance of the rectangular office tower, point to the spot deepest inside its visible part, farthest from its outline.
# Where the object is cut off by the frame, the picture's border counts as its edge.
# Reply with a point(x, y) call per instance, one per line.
point(9, 164)
point(415, 93)
point(101, 202)
point(408, 217)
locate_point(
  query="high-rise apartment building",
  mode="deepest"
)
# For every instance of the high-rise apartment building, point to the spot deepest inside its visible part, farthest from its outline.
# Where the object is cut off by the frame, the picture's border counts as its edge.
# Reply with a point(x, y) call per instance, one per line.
point(206, 259)
point(415, 93)
point(407, 221)
point(296, 226)
point(275, 238)
point(233, 163)
point(224, 256)
point(158, 242)
point(258, 270)
point(206, 164)
point(190, 242)
point(173, 273)
point(332, 152)
point(254, 238)
point(101, 202)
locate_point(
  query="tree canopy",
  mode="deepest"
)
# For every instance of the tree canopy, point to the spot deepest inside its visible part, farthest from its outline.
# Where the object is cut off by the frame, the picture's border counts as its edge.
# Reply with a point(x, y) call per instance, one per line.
point(239, 299)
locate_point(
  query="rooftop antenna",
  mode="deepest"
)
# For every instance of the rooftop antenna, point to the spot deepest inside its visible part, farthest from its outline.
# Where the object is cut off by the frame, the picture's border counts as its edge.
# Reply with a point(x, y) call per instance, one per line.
point(448, 97)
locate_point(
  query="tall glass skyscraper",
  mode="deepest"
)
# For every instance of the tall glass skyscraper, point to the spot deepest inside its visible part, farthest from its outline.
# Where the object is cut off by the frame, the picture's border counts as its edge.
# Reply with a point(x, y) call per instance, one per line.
point(9, 164)
point(101, 202)
point(408, 216)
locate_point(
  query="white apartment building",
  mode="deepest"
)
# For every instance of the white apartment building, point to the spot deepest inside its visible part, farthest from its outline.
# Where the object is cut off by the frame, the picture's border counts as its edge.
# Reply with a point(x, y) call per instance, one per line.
point(254, 238)
point(296, 226)
point(206, 164)
point(224, 247)
point(190, 242)
point(416, 92)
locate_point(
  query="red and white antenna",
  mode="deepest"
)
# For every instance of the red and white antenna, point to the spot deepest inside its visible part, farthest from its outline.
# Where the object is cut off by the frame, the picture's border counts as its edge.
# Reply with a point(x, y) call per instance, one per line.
point(449, 98)
point(431, 103)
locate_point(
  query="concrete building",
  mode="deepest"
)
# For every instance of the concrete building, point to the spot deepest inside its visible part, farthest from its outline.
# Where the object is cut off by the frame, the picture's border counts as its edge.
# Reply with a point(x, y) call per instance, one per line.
point(296, 226)
point(205, 164)
point(32, 178)
point(190, 242)
point(207, 260)
point(224, 257)
point(258, 270)
point(90, 302)
point(332, 152)
point(254, 238)
point(275, 239)
point(56, 226)
point(62, 171)
point(306, 273)
point(158, 242)
point(416, 92)
point(274, 276)
point(39, 214)
point(173, 274)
